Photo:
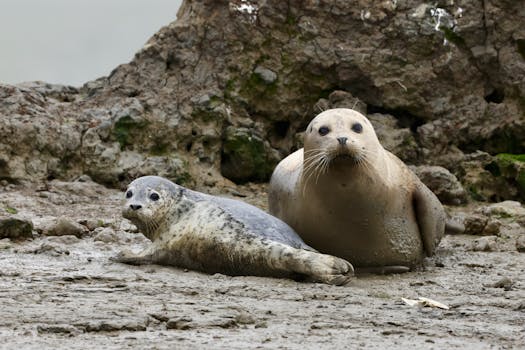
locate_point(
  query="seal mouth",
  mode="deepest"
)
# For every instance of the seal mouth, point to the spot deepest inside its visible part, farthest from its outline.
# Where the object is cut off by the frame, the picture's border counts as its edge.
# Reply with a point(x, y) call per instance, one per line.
point(344, 158)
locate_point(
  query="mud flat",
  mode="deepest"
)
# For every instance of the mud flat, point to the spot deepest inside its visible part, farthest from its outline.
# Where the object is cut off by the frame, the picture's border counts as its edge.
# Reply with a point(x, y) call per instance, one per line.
point(63, 292)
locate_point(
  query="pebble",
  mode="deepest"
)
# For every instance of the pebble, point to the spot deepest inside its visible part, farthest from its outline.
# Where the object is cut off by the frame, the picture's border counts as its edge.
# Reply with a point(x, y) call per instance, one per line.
point(181, 323)
point(66, 226)
point(520, 244)
point(485, 244)
point(106, 235)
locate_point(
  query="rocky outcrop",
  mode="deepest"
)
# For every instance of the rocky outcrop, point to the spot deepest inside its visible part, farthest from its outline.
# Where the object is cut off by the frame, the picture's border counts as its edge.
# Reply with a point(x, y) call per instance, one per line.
point(444, 184)
point(229, 84)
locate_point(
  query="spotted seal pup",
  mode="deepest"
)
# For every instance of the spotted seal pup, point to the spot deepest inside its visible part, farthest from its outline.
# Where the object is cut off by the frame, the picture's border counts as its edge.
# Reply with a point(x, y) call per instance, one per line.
point(212, 234)
point(345, 195)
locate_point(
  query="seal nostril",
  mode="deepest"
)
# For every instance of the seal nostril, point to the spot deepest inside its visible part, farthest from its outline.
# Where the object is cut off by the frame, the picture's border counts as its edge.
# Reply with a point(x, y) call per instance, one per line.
point(342, 140)
point(135, 206)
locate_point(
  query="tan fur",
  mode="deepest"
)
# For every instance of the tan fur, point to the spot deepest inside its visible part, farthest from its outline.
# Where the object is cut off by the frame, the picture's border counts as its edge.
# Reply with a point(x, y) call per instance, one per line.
point(366, 207)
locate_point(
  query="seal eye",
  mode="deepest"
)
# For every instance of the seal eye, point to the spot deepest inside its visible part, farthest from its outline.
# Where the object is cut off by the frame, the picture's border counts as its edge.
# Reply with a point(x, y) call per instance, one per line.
point(323, 130)
point(154, 196)
point(357, 127)
point(129, 194)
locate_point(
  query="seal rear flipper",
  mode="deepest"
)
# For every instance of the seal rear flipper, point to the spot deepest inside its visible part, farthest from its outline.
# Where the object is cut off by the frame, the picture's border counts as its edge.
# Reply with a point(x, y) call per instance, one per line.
point(430, 217)
point(320, 267)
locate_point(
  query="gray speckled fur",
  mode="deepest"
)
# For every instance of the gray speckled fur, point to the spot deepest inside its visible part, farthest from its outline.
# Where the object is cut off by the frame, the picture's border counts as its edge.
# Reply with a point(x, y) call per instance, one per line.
point(214, 234)
point(255, 220)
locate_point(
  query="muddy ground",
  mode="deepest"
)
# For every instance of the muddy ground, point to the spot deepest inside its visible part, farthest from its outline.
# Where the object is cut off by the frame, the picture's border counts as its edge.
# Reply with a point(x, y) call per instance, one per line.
point(63, 292)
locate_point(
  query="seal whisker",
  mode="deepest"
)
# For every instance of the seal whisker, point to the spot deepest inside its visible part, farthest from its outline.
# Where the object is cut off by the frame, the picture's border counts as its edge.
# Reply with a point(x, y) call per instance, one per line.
point(313, 168)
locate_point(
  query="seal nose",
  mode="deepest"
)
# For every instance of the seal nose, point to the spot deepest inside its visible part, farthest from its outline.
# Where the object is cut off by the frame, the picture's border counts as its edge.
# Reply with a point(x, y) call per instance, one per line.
point(342, 140)
point(135, 206)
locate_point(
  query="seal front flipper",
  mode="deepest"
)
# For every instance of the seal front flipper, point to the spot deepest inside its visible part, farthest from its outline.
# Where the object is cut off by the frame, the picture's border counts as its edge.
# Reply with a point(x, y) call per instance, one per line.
point(430, 217)
point(146, 257)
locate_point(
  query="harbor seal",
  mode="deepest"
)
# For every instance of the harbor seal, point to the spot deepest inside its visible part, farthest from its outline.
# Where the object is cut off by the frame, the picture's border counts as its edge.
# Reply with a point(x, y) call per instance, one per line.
point(212, 234)
point(347, 196)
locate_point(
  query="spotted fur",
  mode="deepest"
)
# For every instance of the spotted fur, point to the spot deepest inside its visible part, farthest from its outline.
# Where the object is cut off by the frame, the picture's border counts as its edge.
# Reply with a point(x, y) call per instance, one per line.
point(213, 234)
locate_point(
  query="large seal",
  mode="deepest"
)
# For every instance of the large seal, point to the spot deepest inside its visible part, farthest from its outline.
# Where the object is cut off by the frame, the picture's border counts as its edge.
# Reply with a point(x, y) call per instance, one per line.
point(347, 196)
point(214, 234)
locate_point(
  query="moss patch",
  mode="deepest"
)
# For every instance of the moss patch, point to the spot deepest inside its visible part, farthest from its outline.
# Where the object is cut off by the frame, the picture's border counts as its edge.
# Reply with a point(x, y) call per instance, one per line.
point(255, 86)
point(123, 130)
point(245, 158)
point(160, 148)
point(512, 167)
point(453, 37)
point(511, 157)
point(11, 210)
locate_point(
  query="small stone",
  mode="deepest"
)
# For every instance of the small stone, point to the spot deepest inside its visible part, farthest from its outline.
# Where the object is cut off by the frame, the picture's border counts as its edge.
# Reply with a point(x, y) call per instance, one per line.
point(244, 318)
point(58, 328)
point(520, 244)
point(84, 178)
point(475, 224)
point(106, 235)
point(492, 228)
point(181, 323)
point(4, 183)
point(15, 228)
point(505, 283)
point(65, 226)
point(92, 224)
point(485, 244)
point(5, 243)
point(268, 76)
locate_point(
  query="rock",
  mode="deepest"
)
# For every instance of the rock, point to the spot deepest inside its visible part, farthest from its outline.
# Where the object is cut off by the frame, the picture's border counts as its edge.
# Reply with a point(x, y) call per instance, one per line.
point(181, 323)
point(65, 226)
point(395, 139)
point(505, 283)
point(268, 76)
point(106, 235)
point(485, 244)
point(246, 157)
point(475, 224)
point(244, 318)
point(520, 244)
point(15, 228)
point(341, 99)
point(492, 228)
point(58, 328)
point(506, 209)
point(443, 183)
point(492, 178)
point(92, 224)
